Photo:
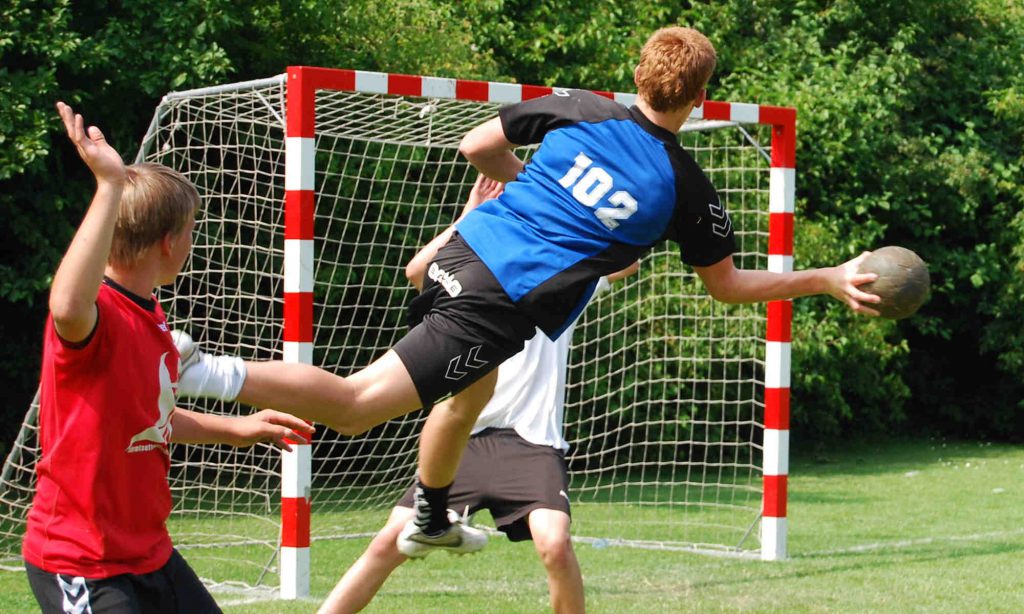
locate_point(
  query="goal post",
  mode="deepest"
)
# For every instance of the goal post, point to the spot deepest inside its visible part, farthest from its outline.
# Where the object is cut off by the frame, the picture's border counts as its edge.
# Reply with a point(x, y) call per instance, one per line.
point(318, 186)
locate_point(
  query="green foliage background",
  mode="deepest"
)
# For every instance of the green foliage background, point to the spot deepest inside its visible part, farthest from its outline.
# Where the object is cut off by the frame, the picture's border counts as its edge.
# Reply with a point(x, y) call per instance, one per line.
point(910, 122)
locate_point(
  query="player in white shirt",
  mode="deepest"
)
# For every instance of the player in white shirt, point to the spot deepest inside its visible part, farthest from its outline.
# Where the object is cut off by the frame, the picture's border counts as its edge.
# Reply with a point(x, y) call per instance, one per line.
point(514, 465)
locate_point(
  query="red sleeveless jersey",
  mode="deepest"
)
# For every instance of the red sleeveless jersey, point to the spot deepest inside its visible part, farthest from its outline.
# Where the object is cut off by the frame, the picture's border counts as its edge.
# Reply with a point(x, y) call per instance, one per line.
point(102, 498)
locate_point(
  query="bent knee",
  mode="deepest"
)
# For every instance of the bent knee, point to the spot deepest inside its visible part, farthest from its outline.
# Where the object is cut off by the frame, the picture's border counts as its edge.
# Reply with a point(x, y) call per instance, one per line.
point(555, 550)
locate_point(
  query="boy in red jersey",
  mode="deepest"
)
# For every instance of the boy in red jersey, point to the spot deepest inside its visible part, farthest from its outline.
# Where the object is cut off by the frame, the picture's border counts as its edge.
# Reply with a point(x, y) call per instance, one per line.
point(96, 539)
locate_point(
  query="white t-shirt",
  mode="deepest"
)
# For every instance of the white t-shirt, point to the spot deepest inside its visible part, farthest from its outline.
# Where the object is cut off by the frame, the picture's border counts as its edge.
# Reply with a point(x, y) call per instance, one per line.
point(530, 393)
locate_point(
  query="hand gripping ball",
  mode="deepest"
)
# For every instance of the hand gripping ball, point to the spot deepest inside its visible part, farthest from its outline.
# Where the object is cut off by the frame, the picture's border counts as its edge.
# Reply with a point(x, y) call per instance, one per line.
point(902, 283)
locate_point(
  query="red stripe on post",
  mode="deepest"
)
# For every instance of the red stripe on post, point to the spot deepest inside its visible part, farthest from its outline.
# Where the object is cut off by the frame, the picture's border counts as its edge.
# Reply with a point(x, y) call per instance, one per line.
point(299, 438)
point(776, 408)
point(331, 78)
point(608, 95)
point(298, 214)
point(717, 110)
point(780, 321)
point(295, 522)
point(780, 234)
point(299, 103)
point(405, 85)
point(777, 116)
point(298, 317)
point(783, 121)
point(535, 91)
point(472, 90)
point(775, 496)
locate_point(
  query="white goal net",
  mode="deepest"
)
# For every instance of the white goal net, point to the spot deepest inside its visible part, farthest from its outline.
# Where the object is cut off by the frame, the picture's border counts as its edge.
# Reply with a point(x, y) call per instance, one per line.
point(665, 400)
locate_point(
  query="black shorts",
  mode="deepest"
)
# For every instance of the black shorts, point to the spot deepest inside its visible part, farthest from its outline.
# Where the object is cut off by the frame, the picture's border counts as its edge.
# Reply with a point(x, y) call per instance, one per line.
point(509, 476)
point(172, 589)
point(464, 325)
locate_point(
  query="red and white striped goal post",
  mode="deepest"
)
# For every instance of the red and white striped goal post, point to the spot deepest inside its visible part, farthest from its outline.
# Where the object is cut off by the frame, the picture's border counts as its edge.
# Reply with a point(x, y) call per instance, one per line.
point(302, 83)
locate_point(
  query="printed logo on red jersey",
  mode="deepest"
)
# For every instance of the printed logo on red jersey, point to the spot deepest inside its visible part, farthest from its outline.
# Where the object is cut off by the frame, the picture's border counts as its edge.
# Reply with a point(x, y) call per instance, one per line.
point(158, 435)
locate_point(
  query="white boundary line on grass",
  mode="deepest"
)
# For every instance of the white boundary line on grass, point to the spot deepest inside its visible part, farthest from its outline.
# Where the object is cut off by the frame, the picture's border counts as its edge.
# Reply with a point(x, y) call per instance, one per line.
point(908, 543)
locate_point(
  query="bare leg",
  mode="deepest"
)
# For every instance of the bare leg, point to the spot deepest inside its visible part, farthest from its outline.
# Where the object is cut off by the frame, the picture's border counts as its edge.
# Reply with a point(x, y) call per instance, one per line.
point(362, 581)
point(447, 430)
point(352, 405)
point(550, 529)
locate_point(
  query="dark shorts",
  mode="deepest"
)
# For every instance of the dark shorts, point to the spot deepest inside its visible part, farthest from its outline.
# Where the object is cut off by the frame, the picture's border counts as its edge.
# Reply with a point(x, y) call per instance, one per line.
point(509, 476)
point(172, 589)
point(464, 325)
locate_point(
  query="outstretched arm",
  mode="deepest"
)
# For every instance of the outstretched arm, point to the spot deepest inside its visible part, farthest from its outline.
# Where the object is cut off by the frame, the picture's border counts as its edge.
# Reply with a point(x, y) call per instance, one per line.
point(490, 152)
point(267, 426)
point(728, 284)
point(483, 190)
point(78, 278)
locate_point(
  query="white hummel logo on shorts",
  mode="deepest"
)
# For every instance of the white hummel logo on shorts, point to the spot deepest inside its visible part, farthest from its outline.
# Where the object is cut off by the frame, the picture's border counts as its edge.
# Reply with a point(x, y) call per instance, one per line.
point(562, 492)
point(451, 285)
point(76, 595)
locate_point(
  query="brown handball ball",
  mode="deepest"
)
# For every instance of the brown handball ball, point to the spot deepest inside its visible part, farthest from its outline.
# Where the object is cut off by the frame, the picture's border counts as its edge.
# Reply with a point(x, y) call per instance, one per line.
point(902, 282)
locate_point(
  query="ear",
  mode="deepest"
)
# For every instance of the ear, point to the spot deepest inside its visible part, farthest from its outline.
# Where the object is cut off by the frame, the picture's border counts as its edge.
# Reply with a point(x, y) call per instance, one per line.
point(166, 245)
point(701, 98)
point(636, 75)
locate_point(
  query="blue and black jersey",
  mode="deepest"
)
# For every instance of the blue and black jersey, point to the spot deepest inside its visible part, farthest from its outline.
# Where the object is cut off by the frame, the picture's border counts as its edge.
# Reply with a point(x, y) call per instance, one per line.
point(605, 185)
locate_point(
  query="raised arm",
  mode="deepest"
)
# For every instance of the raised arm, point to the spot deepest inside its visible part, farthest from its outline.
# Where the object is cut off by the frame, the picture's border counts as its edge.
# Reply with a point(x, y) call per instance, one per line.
point(728, 284)
point(483, 190)
point(78, 278)
point(490, 152)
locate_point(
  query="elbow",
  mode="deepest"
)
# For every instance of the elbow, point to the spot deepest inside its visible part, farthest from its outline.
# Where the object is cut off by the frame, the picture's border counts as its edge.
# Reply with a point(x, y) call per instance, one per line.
point(67, 310)
point(723, 295)
point(724, 291)
point(414, 272)
point(468, 149)
point(350, 428)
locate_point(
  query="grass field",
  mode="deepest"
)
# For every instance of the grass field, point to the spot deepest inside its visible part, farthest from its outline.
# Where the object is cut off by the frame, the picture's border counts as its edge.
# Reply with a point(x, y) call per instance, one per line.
point(894, 527)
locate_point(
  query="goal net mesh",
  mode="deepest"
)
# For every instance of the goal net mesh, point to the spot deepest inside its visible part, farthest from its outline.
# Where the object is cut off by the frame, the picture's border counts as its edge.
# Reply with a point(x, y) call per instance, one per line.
point(664, 406)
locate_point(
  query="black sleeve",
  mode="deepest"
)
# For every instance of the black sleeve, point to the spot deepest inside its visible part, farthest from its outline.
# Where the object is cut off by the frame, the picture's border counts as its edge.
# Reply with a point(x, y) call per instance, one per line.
point(526, 123)
point(701, 225)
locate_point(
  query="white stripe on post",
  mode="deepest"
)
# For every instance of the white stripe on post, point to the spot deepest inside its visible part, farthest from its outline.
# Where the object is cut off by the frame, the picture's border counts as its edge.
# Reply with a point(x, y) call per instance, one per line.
point(625, 99)
point(436, 87)
point(294, 572)
point(371, 82)
point(744, 113)
point(299, 163)
point(776, 364)
point(773, 539)
point(504, 92)
point(298, 265)
point(776, 452)
point(782, 190)
point(778, 263)
point(296, 467)
point(296, 351)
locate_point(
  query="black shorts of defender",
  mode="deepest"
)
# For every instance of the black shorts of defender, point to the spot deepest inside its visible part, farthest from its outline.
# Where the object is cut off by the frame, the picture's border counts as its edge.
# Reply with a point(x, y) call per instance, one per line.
point(172, 589)
point(463, 325)
point(510, 477)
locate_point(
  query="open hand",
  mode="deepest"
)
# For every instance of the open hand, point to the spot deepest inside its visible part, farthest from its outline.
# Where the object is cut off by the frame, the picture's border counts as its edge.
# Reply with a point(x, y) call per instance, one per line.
point(270, 426)
point(102, 159)
point(484, 189)
point(844, 283)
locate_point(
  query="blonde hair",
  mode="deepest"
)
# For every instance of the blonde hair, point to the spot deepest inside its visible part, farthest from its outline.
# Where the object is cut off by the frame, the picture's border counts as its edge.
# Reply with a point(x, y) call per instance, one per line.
point(156, 201)
point(675, 65)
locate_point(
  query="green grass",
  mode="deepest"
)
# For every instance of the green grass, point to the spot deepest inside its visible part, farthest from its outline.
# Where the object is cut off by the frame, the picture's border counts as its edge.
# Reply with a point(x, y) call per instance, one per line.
point(897, 527)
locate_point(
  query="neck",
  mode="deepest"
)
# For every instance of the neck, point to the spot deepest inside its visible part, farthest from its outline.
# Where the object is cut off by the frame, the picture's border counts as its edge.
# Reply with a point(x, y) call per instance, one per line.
point(669, 120)
point(140, 280)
